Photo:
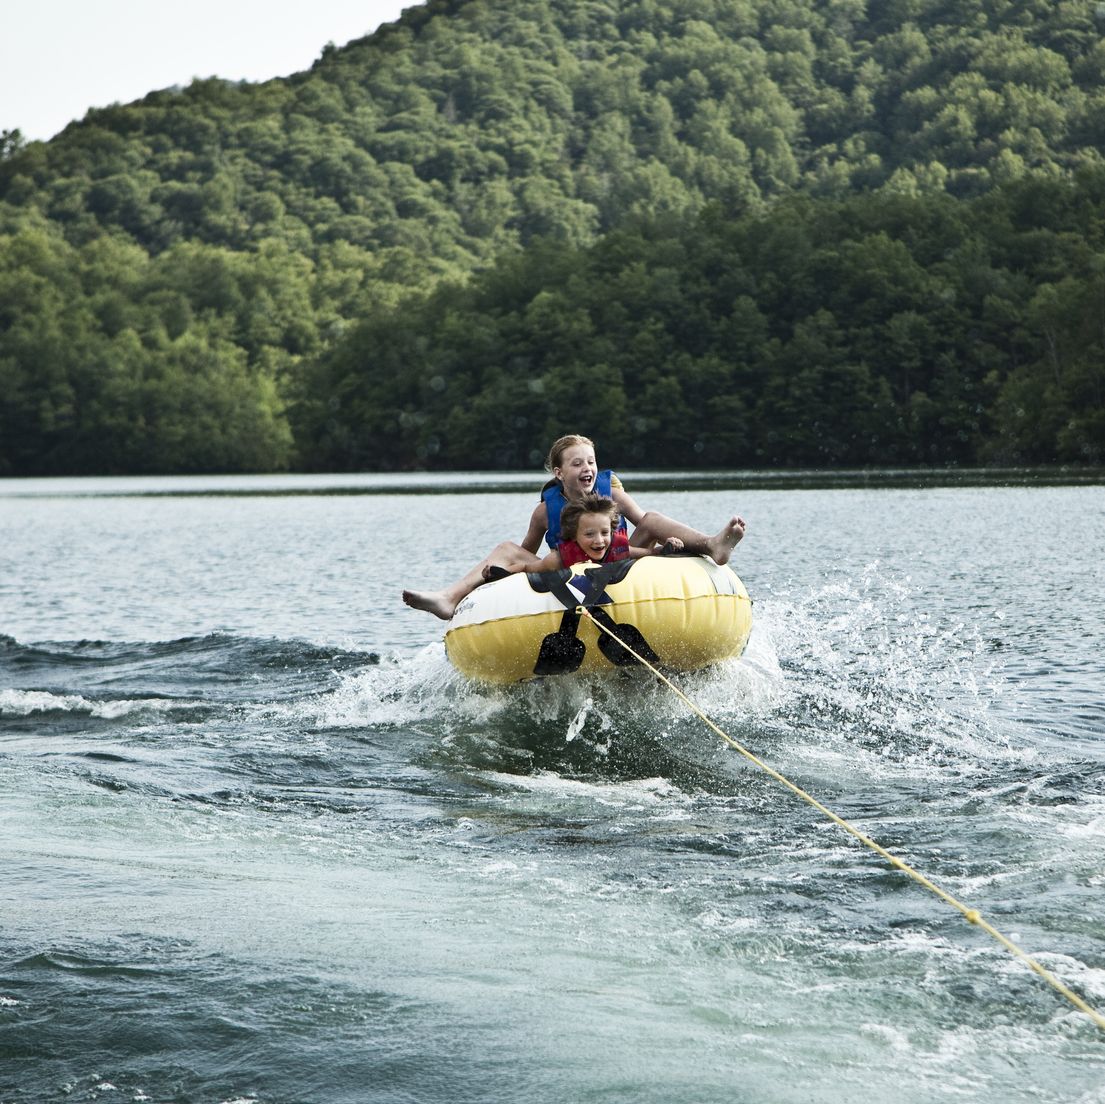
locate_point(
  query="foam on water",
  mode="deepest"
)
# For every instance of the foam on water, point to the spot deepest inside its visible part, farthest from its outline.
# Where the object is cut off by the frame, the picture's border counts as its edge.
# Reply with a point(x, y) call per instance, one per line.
point(638, 795)
point(24, 703)
point(397, 691)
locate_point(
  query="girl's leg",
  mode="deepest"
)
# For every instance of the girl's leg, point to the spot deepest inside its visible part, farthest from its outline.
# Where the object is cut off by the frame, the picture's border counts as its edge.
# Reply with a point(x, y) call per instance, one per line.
point(655, 528)
point(442, 603)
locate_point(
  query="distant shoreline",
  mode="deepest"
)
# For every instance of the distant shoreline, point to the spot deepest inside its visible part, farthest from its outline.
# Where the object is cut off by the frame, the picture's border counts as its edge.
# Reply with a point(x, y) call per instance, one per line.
point(490, 482)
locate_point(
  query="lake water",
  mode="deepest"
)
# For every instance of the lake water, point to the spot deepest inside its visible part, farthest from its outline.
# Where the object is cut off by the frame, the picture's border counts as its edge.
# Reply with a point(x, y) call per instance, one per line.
point(261, 842)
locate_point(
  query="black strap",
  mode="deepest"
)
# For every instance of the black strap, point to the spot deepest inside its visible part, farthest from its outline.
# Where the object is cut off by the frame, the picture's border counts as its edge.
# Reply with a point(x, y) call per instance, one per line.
point(605, 575)
point(562, 652)
point(598, 579)
point(556, 584)
point(610, 643)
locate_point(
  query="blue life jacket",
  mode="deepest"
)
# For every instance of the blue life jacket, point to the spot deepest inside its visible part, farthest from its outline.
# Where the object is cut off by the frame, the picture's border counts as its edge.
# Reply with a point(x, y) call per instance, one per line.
point(554, 500)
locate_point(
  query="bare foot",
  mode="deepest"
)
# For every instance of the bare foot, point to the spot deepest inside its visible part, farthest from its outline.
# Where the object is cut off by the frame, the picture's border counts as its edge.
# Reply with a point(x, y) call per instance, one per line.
point(721, 545)
point(432, 601)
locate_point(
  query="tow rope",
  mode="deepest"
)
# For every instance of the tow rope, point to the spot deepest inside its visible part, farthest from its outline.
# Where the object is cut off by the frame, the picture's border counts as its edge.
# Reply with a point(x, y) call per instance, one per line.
point(971, 915)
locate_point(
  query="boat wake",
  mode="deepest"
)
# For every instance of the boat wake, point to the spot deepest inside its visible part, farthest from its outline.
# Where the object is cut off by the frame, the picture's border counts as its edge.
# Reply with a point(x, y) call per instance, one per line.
point(855, 683)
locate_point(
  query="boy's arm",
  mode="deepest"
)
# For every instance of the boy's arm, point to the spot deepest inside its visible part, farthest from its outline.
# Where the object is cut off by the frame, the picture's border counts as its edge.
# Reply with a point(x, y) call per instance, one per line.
point(672, 544)
point(551, 562)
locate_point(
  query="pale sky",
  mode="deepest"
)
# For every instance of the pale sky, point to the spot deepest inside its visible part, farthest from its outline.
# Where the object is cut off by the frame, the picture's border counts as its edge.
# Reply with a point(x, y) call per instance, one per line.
point(58, 58)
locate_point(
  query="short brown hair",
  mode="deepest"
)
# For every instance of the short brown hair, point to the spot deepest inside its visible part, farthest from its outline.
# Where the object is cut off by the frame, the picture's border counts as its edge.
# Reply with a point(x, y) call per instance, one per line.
point(592, 504)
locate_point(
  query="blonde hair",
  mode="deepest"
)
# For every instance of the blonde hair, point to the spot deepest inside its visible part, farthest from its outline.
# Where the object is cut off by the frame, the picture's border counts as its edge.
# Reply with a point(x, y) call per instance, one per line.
point(561, 446)
point(592, 504)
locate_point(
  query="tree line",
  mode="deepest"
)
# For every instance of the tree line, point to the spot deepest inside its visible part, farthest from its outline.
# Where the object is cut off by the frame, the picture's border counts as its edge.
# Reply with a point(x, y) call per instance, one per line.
point(211, 278)
point(882, 329)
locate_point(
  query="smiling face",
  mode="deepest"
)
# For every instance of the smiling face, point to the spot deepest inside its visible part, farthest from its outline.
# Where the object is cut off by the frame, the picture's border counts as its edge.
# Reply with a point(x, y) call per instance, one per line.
point(593, 534)
point(577, 471)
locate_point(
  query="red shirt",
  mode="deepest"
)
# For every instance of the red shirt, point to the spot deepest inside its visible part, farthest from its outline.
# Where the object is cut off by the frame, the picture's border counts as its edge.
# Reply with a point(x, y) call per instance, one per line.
point(571, 553)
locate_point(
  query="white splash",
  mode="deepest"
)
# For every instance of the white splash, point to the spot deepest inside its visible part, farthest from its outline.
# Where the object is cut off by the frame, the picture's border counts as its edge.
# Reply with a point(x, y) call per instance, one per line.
point(24, 703)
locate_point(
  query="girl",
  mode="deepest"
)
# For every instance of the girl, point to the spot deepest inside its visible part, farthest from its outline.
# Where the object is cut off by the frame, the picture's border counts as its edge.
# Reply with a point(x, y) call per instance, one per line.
point(575, 474)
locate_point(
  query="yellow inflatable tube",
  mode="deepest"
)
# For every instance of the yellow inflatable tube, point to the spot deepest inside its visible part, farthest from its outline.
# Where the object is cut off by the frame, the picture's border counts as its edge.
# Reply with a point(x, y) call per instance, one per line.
point(686, 611)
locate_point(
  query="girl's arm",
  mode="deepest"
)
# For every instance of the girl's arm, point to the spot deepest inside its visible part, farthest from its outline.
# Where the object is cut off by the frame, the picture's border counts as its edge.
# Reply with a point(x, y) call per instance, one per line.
point(538, 523)
point(626, 506)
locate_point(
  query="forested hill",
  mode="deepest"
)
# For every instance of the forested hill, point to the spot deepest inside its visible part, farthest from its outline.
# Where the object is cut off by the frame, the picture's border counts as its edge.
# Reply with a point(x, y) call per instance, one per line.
point(779, 232)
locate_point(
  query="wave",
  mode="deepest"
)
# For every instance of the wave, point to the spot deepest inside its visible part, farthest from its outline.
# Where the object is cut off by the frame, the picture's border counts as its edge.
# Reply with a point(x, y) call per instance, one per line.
point(216, 667)
point(25, 703)
point(217, 647)
point(70, 962)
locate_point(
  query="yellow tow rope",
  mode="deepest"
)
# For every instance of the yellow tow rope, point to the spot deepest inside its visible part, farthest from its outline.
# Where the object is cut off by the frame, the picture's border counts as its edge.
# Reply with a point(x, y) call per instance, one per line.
point(972, 915)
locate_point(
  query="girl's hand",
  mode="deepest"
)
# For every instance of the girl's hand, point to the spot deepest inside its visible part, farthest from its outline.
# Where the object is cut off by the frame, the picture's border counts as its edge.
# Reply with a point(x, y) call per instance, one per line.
point(672, 544)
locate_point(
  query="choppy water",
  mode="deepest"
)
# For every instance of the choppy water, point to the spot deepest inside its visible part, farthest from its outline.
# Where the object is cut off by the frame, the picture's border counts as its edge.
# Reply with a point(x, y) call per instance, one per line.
point(261, 843)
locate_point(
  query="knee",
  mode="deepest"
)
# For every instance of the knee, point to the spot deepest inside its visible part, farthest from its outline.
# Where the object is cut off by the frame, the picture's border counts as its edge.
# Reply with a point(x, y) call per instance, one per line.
point(651, 523)
point(507, 554)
